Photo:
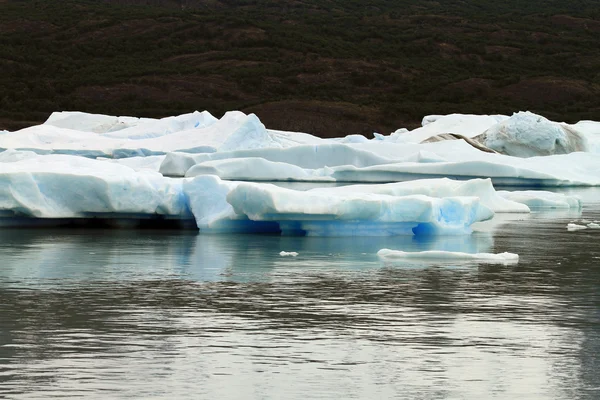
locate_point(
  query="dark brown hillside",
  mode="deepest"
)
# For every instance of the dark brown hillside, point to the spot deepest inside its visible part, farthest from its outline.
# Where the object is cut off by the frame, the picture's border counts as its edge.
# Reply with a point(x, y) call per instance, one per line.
point(328, 67)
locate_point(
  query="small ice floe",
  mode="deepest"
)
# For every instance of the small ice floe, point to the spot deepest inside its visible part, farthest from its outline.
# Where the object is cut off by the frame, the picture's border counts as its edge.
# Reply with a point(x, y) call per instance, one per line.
point(593, 225)
point(443, 256)
point(288, 254)
point(575, 227)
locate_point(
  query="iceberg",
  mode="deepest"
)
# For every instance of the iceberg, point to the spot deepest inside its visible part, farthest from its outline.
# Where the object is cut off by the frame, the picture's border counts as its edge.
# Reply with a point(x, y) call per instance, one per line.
point(60, 186)
point(527, 135)
point(446, 257)
point(225, 206)
point(214, 173)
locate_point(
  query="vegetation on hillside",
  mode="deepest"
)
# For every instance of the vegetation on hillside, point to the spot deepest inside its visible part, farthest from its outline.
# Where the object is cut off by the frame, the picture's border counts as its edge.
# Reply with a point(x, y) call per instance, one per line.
point(329, 67)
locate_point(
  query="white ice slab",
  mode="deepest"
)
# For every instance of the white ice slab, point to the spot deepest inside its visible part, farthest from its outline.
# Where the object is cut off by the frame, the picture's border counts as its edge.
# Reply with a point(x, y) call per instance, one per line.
point(575, 227)
point(223, 206)
point(59, 186)
point(447, 257)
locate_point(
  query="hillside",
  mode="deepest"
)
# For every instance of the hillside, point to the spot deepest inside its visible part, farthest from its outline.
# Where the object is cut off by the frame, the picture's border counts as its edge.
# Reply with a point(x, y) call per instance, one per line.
point(329, 67)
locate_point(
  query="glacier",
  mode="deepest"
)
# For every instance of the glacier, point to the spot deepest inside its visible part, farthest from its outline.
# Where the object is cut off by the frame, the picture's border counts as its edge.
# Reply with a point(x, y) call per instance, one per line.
point(217, 174)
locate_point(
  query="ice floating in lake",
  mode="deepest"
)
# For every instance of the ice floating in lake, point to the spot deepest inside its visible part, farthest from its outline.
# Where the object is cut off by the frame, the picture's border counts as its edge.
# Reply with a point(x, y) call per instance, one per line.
point(222, 206)
point(239, 147)
point(583, 224)
point(575, 227)
point(60, 186)
point(288, 254)
point(447, 257)
point(63, 186)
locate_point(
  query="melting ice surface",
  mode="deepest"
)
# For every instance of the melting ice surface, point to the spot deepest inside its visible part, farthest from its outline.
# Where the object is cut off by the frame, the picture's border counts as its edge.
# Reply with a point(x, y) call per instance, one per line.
point(211, 173)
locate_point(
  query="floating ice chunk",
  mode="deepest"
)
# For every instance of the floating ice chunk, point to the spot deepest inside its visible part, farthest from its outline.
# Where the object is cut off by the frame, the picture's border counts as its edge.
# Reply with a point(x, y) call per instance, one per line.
point(288, 254)
point(527, 135)
point(542, 199)
point(348, 214)
point(60, 186)
point(575, 227)
point(447, 257)
point(593, 225)
point(222, 206)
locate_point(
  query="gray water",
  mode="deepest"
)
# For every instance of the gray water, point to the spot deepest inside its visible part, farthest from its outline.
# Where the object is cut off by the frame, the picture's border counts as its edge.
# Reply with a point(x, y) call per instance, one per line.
point(165, 314)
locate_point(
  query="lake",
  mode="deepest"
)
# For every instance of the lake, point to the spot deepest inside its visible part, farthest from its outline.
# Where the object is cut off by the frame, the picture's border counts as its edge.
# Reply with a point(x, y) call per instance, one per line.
point(175, 314)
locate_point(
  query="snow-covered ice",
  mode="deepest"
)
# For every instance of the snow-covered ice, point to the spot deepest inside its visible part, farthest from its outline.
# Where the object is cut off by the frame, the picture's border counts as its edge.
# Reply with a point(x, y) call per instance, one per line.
point(434, 256)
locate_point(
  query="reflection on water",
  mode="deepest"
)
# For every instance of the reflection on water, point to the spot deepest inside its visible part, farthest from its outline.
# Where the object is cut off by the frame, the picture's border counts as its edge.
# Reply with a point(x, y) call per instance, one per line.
point(121, 314)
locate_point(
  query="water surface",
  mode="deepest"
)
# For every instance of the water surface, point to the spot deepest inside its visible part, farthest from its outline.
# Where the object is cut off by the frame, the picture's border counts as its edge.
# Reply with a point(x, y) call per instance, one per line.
point(167, 314)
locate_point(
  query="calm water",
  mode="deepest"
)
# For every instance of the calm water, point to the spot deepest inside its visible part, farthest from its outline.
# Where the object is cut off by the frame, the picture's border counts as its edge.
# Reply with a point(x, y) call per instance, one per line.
point(144, 314)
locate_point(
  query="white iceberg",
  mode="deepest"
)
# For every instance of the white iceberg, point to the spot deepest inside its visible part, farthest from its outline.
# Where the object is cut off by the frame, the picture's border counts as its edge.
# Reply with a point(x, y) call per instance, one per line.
point(447, 257)
point(60, 186)
point(222, 206)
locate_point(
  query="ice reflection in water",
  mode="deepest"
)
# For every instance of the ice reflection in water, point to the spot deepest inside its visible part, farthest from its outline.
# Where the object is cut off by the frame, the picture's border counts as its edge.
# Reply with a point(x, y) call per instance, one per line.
point(155, 314)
